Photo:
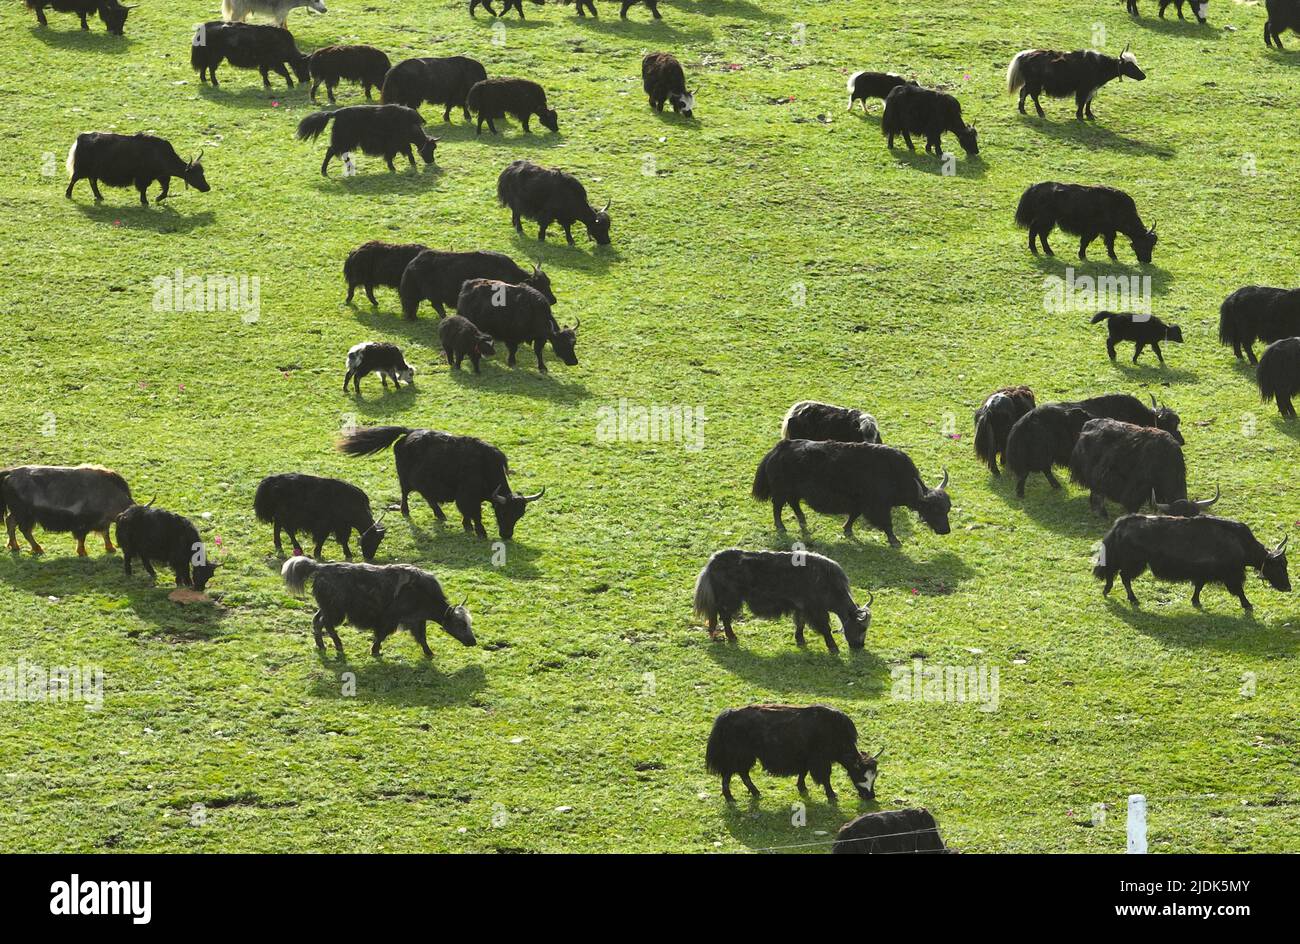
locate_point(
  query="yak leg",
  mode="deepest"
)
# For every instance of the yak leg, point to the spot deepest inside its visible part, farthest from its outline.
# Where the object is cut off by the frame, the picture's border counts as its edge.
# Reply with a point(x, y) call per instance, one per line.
point(437, 511)
point(1155, 346)
point(166, 188)
point(1237, 588)
point(94, 188)
point(820, 623)
point(1037, 106)
point(388, 159)
point(798, 514)
point(713, 627)
point(1033, 234)
point(726, 779)
point(410, 156)
point(81, 544)
point(418, 631)
point(266, 78)
point(1079, 102)
point(329, 153)
point(907, 139)
point(1083, 245)
point(471, 511)
point(317, 630)
point(1127, 578)
point(516, 222)
point(749, 784)
point(1051, 479)
point(726, 627)
point(1110, 583)
point(822, 775)
point(1137, 349)
point(27, 533)
point(1110, 348)
point(1097, 502)
point(12, 525)
point(776, 514)
point(68, 193)
point(1109, 239)
point(1020, 485)
point(883, 520)
point(84, 24)
point(40, 17)
point(512, 349)
point(1042, 240)
point(798, 629)
point(1250, 353)
point(1285, 407)
point(568, 233)
point(1024, 93)
point(293, 539)
point(315, 86)
point(109, 548)
point(538, 347)
point(143, 186)
point(848, 525)
point(1196, 594)
point(541, 228)
point(148, 569)
point(330, 86)
point(802, 785)
point(320, 545)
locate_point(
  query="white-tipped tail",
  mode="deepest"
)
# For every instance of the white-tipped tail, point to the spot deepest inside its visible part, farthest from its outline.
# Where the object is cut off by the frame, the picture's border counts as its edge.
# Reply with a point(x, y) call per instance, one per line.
point(228, 11)
point(853, 79)
point(296, 571)
point(1016, 78)
point(72, 153)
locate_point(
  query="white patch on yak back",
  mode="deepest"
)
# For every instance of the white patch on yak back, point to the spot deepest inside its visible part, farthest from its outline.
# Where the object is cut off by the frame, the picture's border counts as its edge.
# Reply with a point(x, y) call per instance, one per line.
point(354, 355)
point(853, 79)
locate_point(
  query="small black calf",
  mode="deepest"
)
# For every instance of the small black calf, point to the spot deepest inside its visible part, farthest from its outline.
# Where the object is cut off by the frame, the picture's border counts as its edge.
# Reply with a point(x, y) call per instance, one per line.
point(371, 357)
point(1140, 329)
point(460, 339)
point(151, 534)
point(864, 85)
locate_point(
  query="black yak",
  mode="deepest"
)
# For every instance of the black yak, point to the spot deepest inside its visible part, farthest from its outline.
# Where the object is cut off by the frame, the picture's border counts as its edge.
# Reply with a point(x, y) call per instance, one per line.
point(78, 499)
point(809, 419)
point(1086, 212)
point(664, 81)
point(910, 109)
point(993, 422)
point(1061, 74)
point(1258, 313)
point(330, 65)
point(889, 832)
point(377, 357)
point(853, 479)
point(549, 195)
point(777, 583)
point(515, 315)
point(789, 741)
point(1042, 438)
point(460, 338)
point(864, 85)
point(111, 13)
point(438, 81)
point(442, 467)
point(382, 130)
point(1283, 15)
point(519, 98)
point(1185, 507)
point(1128, 464)
point(509, 5)
point(151, 534)
point(379, 598)
point(123, 160)
point(437, 277)
point(293, 502)
point(247, 46)
point(1199, 8)
point(1278, 375)
point(1199, 550)
point(1129, 409)
point(1142, 330)
point(378, 263)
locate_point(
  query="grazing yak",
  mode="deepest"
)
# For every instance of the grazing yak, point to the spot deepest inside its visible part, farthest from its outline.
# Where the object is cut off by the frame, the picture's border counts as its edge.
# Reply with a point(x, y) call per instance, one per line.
point(515, 315)
point(1129, 409)
point(1258, 313)
point(1128, 464)
point(777, 583)
point(1199, 8)
point(382, 130)
point(809, 419)
point(1042, 438)
point(1278, 375)
point(437, 277)
point(78, 499)
point(890, 832)
point(378, 263)
point(377, 357)
point(123, 160)
point(1142, 330)
point(1061, 74)
point(460, 338)
point(1185, 508)
point(509, 4)
point(151, 534)
point(910, 109)
point(379, 598)
point(853, 479)
point(789, 741)
point(549, 195)
point(111, 13)
point(330, 65)
point(1283, 15)
point(247, 46)
point(520, 98)
point(277, 10)
point(441, 467)
point(1199, 550)
point(664, 81)
point(864, 85)
point(321, 507)
point(438, 81)
point(1086, 212)
point(993, 422)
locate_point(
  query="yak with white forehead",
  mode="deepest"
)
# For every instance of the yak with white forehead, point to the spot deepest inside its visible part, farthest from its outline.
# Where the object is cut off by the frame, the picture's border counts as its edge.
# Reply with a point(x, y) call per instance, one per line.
point(1062, 74)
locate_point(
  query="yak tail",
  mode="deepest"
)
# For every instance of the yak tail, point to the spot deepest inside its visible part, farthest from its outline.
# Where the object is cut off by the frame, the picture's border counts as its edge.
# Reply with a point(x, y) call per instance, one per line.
point(715, 753)
point(1015, 74)
point(1027, 207)
point(1100, 316)
point(297, 571)
point(227, 10)
point(1229, 332)
point(1099, 569)
point(986, 447)
point(4, 474)
point(371, 439)
point(71, 162)
point(264, 501)
point(310, 128)
point(705, 599)
point(762, 490)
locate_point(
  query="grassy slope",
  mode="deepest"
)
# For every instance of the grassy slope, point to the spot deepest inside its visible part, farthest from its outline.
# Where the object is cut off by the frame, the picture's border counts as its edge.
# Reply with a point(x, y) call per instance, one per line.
point(233, 709)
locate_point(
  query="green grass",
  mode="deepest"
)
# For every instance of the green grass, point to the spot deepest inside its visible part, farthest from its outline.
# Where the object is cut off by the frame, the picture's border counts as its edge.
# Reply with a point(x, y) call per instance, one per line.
point(921, 299)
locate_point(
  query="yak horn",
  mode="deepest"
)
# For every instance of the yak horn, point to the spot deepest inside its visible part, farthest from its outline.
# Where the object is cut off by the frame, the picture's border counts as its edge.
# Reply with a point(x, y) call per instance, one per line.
point(1162, 509)
point(1207, 502)
point(1154, 405)
point(876, 756)
point(943, 483)
point(1282, 547)
point(533, 498)
point(464, 601)
point(576, 323)
point(537, 270)
point(605, 208)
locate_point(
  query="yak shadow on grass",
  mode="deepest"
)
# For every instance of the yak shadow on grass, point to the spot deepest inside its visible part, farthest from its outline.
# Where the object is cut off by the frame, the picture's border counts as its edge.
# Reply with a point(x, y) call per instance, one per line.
point(509, 134)
point(1176, 27)
point(1143, 372)
point(454, 548)
point(1065, 510)
point(965, 166)
point(729, 8)
point(796, 673)
point(1088, 133)
point(555, 252)
point(158, 219)
point(376, 178)
point(523, 379)
point(255, 95)
point(1098, 265)
point(1222, 624)
point(92, 40)
point(763, 824)
point(407, 679)
point(653, 30)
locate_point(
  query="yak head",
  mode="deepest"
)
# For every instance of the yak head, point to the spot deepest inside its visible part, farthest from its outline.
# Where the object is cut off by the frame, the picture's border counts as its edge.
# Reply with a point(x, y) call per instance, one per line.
point(193, 175)
point(1274, 567)
point(564, 341)
point(370, 539)
point(301, 67)
point(550, 119)
point(427, 148)
point(316, 6)
point(966, 138)
point(542, 282)
point(857, 622)
point(458, 624)
point(864, 768)
point(114, 16)
point(1128, 67)
point(510, 508)
point(200, 574)
point(598, 228)
point(1145, 244)
point(683, 103)
point(1183, 507)
point(1174, 333)
point(1167, 419)
point(406, 373)
point(933, 505)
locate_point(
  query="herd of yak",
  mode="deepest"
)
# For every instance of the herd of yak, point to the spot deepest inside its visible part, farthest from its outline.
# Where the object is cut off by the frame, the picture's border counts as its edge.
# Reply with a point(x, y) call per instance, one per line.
point(828, 457)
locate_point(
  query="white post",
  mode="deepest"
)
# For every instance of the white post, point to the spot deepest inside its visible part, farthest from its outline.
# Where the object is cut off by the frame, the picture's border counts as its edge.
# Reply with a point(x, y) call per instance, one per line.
point(1137, 824)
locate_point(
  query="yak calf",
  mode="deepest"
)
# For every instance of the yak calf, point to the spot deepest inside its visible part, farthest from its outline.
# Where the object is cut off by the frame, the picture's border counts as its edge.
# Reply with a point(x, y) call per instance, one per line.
point(993, 422)
point(460, 338)
point(519, 98)
point(151, 534)
point(1142, 330)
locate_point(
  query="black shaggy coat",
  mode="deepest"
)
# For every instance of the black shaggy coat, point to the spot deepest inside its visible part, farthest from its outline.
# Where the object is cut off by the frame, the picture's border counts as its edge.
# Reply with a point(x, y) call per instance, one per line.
point(993, 422)
point(77, 499)
point(382, 130)
point(330, 65)
point(1060, 74)
point(1278, 375)
point(151, 534)
point(910, 109)
point(1129, 409)
point(1141, 330)
point(124, 160)
point(778, 583)
point(890, 832)
point(437, 277)
point(864, 85)
point(788, 741)
point(460, 339)
point(853, 479)
point(378, 263)
point(1130, 465)
point(809, 419)
point(381, 599)
point(1042, 438)
point(515, 315)
point(549, 195)
point(438, 81)
point(1258, 313)
point(1283, 15)
point(111, 13)
point(321, 507)
point(491, 99)
point(1086, 212)
point(247, 46)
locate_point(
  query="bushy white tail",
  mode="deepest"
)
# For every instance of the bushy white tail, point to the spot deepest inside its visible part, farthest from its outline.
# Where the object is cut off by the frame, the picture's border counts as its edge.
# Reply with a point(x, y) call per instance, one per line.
point(852, 79)
point(297, 571)
point(1015, 77)
point(72, 153)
